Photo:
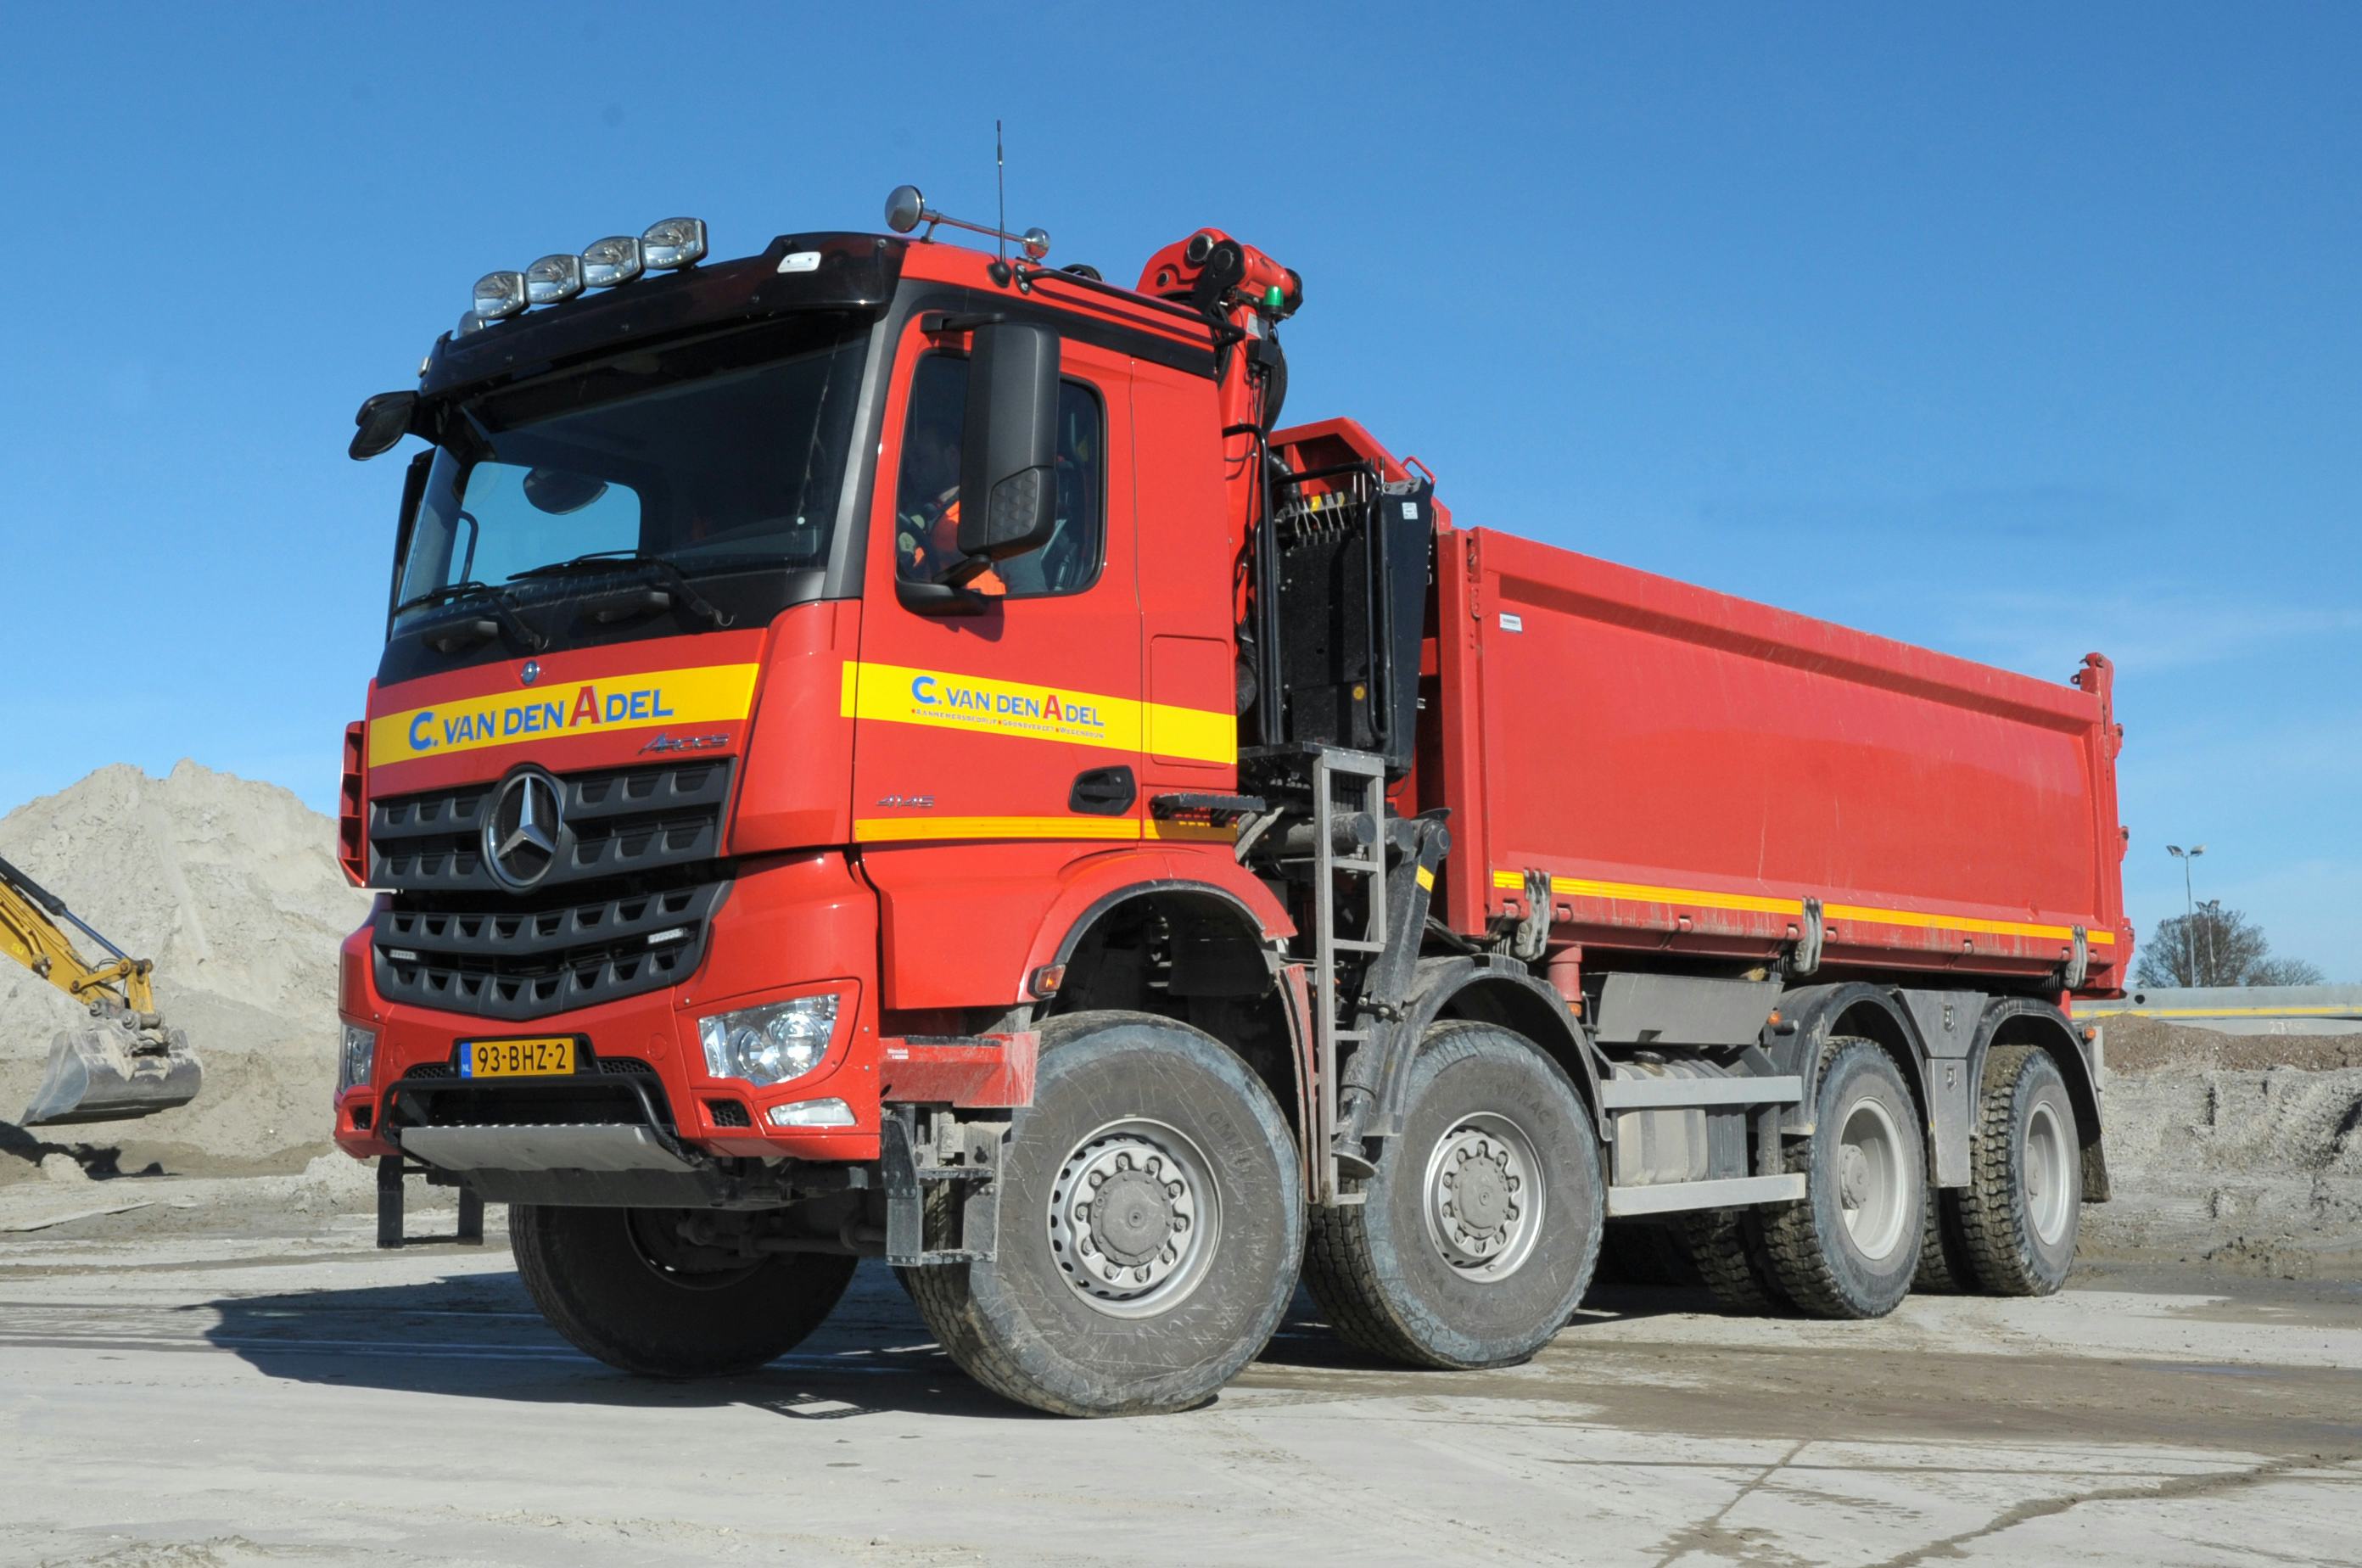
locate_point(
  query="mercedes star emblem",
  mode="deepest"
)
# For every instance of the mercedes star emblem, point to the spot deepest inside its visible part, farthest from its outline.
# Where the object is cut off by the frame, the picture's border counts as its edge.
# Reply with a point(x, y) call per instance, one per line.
point(521, 835)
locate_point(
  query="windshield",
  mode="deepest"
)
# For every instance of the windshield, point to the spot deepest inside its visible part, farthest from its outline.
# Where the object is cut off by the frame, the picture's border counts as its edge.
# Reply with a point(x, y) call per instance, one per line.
point(724, 454)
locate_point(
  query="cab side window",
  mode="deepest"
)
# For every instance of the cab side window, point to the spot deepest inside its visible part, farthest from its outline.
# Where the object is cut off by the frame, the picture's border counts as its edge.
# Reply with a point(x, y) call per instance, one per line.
point(926, 504)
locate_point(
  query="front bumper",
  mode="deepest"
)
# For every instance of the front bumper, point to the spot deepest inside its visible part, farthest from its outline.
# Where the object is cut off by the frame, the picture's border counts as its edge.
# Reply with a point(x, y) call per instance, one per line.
point(792, 926)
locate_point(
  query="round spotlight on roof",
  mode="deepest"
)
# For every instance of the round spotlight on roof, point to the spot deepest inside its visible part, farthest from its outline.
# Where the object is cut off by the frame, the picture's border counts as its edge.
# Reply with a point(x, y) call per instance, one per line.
point(675, 242)
point(611, 261)
point(500, 295)
point(554, 280)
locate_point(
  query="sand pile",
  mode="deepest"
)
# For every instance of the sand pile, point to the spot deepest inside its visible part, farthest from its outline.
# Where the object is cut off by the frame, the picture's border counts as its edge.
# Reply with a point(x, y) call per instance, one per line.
point(232, 887)
point(2242, 1151)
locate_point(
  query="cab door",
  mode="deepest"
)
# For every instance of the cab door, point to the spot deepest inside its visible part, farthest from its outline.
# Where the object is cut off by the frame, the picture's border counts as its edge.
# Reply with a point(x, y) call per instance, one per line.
point(991, 750)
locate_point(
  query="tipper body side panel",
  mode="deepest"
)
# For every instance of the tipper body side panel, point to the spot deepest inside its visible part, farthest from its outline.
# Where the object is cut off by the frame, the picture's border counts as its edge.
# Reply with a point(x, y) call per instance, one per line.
point(1689, 767)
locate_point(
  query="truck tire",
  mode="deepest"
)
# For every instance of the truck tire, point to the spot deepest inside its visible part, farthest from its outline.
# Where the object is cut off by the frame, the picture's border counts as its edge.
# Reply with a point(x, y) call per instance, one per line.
point(1152, 1298)
point(1478, 1235)
point(1727, 1246)
point(1945, 1267)
point(1850, 1247)
point(620, 1287)
point(2023, 1206)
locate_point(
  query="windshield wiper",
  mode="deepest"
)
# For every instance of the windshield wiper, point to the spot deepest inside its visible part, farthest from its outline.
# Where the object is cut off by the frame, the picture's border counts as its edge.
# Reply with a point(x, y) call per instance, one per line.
point(503, 609)
point(639, 561)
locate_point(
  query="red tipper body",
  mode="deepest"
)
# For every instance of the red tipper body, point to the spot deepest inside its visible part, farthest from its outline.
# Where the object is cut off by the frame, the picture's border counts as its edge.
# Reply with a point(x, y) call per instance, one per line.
point(1689, 767)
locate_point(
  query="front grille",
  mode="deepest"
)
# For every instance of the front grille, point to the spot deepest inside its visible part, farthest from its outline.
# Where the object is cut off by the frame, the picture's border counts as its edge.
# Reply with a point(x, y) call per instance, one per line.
point(507, 959)
point(614, 1091)
point(614, 823)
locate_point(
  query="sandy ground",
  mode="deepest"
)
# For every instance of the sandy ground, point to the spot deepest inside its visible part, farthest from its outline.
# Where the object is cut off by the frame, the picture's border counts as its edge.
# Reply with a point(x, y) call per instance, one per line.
point(230, 1399)
point(203, 1361)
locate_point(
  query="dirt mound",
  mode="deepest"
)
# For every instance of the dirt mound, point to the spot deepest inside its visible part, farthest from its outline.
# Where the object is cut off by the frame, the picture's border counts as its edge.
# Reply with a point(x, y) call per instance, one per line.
point(232, 887)
point(2138, 1045)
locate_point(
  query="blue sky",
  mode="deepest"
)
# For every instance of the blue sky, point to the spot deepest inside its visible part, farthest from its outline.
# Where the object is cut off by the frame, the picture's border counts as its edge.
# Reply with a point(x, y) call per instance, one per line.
point(2017, 331)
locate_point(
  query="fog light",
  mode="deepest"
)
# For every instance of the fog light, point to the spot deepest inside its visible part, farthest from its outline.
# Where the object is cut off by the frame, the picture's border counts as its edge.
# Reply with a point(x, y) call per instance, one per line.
point(500, 295)
point(554, 279)
point(611, 261)
point(812, 1113)
point(356, 1059)
point(676, 242)
point(769, 1045)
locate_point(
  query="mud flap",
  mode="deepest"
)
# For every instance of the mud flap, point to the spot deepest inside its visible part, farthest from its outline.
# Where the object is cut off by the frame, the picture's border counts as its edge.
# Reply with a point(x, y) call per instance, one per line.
point(107, 1072)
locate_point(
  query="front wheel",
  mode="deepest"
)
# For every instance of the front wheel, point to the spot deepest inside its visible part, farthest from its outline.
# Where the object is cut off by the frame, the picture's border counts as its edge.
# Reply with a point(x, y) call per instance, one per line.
point(621, 1284)
point(1475, 1239)
point(1150, 1227)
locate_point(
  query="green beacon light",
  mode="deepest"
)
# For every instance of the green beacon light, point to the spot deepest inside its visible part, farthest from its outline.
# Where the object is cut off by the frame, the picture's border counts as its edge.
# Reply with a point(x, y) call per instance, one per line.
point(1272, 299)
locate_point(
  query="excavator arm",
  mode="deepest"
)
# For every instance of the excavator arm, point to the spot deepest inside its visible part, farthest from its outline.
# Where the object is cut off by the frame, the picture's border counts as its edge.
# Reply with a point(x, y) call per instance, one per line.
point(125, 1061)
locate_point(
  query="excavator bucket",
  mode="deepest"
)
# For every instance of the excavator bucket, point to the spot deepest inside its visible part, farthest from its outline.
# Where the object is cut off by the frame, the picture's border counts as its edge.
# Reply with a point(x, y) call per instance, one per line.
point(108, 1071)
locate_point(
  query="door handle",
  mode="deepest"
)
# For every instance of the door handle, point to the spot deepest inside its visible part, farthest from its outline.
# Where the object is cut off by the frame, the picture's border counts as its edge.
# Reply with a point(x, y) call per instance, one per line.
point(1103, 793)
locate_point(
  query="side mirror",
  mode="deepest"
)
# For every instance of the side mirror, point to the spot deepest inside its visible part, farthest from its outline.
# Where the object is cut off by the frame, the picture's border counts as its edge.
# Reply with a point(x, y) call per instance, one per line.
point(1009, 452)
point(382, 421)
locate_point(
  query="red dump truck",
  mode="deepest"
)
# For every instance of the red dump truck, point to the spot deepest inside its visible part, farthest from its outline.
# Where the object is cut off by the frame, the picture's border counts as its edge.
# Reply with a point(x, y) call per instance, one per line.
point(885, 749)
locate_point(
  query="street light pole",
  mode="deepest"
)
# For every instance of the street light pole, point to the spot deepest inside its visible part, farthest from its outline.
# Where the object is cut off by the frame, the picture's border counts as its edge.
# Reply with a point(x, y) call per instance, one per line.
point(2189, 907)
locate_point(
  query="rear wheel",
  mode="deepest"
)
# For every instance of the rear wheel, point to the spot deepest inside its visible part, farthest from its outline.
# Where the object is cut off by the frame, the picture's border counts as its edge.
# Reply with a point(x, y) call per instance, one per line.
point(1728, 1247)
point(1151, 1225)
point(2023, 1206)
point(1944, 1267)
point(1478, 1235)
point(621, 1285)
point(1850, 1247)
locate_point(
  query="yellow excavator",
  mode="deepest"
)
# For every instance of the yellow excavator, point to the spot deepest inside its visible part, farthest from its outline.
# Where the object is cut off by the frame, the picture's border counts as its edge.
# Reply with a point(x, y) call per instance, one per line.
point(125, 1062)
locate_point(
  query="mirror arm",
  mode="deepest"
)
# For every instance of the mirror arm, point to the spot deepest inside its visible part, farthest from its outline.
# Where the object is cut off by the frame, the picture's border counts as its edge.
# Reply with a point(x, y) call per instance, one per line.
point(942, 599)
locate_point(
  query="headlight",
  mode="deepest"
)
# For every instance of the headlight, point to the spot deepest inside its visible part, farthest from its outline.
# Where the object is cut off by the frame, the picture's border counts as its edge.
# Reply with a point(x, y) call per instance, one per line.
point(554, 279)
point(611, 261)
point(500, 295)
point(356, 1057)
point(676, 242)
point(769, 1045)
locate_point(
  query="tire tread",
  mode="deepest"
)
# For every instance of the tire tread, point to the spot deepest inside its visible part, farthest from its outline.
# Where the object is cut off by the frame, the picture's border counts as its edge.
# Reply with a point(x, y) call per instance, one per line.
point(1993, 1222)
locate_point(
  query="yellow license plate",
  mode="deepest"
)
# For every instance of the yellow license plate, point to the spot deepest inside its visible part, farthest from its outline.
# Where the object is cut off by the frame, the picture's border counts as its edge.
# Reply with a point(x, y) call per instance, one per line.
point(515, 1058)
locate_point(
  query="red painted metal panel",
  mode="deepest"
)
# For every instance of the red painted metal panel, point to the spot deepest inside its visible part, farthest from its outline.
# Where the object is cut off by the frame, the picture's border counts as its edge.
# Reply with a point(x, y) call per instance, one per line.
point(1689, 766)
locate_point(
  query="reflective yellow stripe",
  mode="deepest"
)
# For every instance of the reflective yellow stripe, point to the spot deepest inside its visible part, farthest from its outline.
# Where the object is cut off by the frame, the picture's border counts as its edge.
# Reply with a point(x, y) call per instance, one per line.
point(887, 829)
point(707, 695)
point(2127, 1010)
point(1425, 879)
point(942, 699)
point(1642, 893)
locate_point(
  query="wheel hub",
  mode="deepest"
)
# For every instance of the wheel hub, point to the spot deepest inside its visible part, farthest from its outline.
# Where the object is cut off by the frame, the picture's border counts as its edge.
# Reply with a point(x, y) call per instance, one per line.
point(1871, 1179)
point(1853, 1178)
point(1130, 1217)
point(1482, 1198)
point(1133, 1216)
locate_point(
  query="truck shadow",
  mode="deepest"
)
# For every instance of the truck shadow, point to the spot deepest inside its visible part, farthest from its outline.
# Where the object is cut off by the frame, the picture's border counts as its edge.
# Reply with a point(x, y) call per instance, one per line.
point(479, 1336)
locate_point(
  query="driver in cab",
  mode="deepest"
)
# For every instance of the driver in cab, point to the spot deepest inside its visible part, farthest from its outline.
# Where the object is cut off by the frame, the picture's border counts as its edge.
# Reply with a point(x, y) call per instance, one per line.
point(927, 508)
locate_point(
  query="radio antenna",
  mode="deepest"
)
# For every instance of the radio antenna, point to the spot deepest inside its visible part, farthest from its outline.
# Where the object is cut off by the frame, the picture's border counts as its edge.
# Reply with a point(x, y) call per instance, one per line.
point(1001, 177)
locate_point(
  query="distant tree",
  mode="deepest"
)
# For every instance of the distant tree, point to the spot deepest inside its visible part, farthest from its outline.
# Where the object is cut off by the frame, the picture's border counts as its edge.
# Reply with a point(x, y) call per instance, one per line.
point(2215, 946)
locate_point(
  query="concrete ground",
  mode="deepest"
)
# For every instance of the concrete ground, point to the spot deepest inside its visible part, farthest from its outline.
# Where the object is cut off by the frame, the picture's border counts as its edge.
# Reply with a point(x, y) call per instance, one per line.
point(191, 1396)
